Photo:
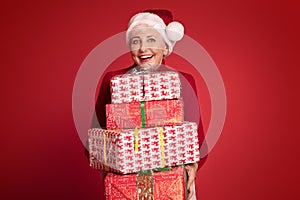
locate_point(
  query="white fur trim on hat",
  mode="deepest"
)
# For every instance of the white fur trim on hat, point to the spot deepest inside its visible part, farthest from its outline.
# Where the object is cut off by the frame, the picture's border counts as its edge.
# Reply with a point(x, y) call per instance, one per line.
point(175, 31)
point(171, 33)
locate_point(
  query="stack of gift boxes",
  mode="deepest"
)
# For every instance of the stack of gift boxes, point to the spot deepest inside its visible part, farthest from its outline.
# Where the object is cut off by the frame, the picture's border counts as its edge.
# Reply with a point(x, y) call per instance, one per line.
point(146, 141)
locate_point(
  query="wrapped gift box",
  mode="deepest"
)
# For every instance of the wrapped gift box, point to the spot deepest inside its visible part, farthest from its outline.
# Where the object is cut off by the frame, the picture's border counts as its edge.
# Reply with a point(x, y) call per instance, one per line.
point(162, 185)
point(145, 86)
point(133, 150)
point(144, 114)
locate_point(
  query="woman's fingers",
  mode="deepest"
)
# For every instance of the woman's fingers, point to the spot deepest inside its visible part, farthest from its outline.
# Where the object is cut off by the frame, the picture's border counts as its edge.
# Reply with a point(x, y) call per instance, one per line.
point(191, 171)
point(191, 192)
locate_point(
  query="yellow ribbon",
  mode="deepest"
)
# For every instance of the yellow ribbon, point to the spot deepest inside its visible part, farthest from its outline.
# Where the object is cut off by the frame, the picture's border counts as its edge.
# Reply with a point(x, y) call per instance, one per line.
point(136, 139)
point(161, 138)
point(104, 150)
point(162, 146)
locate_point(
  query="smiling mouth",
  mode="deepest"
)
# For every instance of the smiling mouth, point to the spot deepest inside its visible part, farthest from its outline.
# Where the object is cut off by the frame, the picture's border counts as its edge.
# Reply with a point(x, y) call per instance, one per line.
point(145, 58)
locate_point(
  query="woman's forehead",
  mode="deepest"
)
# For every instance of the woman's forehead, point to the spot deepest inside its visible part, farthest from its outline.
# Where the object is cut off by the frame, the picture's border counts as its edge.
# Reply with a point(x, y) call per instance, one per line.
point(144, 30)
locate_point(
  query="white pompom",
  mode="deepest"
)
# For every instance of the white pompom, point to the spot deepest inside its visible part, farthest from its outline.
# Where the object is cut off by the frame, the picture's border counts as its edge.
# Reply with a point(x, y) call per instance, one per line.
point(175, 31)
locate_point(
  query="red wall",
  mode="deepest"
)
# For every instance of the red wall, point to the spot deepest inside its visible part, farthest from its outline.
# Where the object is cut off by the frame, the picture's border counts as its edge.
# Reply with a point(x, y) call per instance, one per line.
point(254, 44)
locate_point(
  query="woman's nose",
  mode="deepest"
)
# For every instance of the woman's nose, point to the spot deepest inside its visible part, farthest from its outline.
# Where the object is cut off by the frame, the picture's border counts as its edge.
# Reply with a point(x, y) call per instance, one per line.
point(142, 47)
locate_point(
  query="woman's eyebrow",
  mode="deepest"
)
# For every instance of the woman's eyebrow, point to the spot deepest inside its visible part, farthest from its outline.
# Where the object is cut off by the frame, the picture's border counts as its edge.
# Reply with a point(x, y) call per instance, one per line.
point(149, 36)
point(134, 37)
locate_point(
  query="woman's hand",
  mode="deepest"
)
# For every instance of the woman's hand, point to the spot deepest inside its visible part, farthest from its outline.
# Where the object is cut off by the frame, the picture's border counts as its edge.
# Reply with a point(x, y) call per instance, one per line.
point(191, 171)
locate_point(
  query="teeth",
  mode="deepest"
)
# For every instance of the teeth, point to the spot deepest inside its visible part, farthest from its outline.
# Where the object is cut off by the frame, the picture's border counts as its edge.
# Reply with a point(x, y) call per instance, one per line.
point(146, 56)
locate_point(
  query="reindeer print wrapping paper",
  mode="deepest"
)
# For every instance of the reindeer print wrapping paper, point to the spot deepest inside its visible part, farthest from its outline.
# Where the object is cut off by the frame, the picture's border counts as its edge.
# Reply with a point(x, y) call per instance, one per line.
point(133, 150)
point(145, 87)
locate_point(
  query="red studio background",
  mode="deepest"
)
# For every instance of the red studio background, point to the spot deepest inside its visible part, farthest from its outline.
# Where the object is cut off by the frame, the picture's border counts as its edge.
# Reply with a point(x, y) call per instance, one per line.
point(254, 44)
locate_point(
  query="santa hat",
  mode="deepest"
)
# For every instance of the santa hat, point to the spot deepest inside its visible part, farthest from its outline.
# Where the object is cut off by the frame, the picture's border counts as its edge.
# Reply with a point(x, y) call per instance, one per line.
point(162, 21)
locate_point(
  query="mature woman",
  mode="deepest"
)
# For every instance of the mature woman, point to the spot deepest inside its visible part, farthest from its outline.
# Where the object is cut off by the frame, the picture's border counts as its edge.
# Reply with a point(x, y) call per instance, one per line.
point(151, 36)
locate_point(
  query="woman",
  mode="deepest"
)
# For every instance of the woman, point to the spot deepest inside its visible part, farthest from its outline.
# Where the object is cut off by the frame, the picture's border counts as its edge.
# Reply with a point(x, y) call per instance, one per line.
point(151, 36)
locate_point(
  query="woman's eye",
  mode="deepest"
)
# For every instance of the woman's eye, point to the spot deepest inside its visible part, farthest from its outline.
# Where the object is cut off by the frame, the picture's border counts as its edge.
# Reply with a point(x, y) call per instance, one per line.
point(135, 41)
point(151, 40)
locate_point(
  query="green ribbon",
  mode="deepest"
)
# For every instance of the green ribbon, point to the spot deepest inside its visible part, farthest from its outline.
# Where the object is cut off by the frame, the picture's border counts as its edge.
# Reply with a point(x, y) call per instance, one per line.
point(163, 169)
point(143, 114)
point(145, 172)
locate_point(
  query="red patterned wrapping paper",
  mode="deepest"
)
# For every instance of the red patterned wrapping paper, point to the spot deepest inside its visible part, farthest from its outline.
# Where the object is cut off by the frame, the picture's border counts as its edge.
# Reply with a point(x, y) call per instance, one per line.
point(145, 87)
point(133, 150)
point(144, 114)
point(165, 185)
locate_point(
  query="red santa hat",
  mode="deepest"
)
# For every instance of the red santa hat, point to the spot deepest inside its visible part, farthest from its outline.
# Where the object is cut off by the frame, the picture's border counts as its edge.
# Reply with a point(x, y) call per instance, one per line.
point(162, 21)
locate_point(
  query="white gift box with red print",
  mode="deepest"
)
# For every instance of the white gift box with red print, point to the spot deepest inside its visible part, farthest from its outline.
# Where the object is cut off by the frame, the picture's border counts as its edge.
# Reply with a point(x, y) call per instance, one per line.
point(133, 150)
point(145, 86)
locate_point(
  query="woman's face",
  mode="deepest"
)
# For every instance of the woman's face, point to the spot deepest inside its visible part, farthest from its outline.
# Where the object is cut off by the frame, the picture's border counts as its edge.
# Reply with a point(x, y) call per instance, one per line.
point(147, 47)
